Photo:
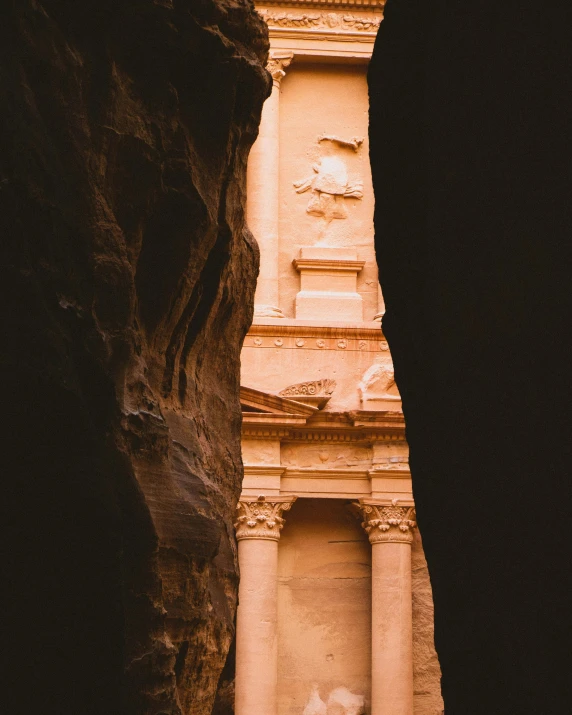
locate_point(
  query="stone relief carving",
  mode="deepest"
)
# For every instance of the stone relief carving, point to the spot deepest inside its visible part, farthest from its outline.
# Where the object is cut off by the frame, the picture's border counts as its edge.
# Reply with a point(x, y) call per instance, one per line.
point(277, 65)
point(378, 382)
point(331, 184)
point(388, 522)
point(315, 392)
point(261, 519)
point(322, 20)
point(353, 143)
point(315, 387)
point(341, 701)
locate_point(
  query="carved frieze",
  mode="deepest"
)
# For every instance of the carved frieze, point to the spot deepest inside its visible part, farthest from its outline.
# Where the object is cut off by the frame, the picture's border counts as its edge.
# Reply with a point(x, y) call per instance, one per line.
point(261, 519)
point(349, 22)
point(388, 522)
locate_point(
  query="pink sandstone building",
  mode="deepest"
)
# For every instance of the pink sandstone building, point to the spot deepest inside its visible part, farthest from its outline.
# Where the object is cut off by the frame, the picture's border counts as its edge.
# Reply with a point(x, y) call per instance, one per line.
point(335, 609)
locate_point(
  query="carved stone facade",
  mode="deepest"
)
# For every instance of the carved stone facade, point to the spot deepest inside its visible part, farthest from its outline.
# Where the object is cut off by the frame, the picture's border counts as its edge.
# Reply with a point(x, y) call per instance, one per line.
point(329, 20)
point(277, 64)
point(322, 417)
point(389, 522)
point(261, 519)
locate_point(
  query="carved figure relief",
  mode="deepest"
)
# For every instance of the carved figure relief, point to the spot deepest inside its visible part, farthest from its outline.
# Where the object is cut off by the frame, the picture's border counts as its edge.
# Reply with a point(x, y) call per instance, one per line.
point(341, 701)
point(378, 381)
point(330, 183)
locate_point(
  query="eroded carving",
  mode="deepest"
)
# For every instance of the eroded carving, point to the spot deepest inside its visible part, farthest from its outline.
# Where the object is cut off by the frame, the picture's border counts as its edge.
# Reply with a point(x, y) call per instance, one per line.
point(323, 20)
point(388, 522)
point(353, 143)
point(312, 388)
point(261, 519)
point(315, 392)
point(330, 185)
point(377, 384)
point(277, 64)
point(341, 701)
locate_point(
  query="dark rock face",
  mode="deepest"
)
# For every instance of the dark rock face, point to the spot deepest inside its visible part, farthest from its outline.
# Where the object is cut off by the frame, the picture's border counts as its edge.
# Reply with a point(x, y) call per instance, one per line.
point(128, 276)
point(471, 143)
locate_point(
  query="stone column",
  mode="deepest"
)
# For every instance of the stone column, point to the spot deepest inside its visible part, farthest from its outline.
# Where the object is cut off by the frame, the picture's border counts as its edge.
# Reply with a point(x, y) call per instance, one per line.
point(390, 530)
point(263, 200)
point(258, 531)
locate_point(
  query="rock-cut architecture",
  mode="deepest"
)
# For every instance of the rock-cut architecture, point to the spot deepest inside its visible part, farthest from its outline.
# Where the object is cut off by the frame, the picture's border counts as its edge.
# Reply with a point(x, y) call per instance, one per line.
point(335, 610)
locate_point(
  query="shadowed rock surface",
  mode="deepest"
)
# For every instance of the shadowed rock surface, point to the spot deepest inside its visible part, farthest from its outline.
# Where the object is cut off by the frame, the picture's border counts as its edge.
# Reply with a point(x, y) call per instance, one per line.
point(127, 277)
point(470, 146)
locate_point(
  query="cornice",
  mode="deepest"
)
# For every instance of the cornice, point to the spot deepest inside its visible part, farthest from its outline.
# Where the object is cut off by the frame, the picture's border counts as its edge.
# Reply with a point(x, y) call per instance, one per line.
point(276, 404)
point(265, 470)
point(320, 264)
point(278, 327)
point(337, 4)
point(268, 420)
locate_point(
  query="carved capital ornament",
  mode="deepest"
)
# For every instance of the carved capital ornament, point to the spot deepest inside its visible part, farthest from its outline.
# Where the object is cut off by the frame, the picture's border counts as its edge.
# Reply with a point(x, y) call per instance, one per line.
point(261, 519)
point(277, 65)
point(388, 523)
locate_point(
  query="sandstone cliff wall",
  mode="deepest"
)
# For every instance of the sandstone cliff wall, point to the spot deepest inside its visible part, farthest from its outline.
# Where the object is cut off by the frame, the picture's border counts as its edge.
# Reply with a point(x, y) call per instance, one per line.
point(470, 147)
point(127, 276)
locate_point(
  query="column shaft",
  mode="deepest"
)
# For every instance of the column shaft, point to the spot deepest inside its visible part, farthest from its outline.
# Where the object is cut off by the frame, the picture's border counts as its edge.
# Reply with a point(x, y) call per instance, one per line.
point(256, 628)
point(390, 530)
point(258, 531)
point(263, 197)
point(392, 630)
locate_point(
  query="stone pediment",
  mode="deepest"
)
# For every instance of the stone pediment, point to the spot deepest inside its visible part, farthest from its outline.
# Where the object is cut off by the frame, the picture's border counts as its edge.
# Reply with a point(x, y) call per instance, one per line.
point(255, 402)
point(314, 392)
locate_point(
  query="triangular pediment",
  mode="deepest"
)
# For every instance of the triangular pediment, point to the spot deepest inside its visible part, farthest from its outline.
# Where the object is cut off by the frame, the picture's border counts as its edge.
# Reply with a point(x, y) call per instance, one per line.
point(257, 402)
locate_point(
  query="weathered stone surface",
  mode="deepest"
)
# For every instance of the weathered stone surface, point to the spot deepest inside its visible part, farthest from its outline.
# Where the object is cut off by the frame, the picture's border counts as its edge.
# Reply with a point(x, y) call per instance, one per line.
point(127, 276)
point(426, 671)
point(471, 141)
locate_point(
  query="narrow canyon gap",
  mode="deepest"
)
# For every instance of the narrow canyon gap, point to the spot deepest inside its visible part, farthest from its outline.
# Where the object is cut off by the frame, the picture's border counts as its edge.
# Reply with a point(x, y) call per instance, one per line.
point(127, 278)
point(470, 147)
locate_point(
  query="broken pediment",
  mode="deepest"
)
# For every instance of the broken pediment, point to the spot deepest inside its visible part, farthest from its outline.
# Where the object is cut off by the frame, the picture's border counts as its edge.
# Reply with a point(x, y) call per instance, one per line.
point(315, 392)
point(255, 402)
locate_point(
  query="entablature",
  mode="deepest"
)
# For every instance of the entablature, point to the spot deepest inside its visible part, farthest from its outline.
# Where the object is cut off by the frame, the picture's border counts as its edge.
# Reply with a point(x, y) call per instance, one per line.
point(335, 483)
point(332, 29)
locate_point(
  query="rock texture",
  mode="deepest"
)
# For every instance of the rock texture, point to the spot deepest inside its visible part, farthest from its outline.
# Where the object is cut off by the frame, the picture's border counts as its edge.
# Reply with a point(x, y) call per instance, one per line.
point(427, 699)
point(470, 147)
point(127, 276)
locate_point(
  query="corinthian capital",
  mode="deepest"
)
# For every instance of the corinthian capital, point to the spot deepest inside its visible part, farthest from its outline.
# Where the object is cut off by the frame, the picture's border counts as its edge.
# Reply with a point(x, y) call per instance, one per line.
point(277, 64)
point(388, 523)
point(261, 519)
